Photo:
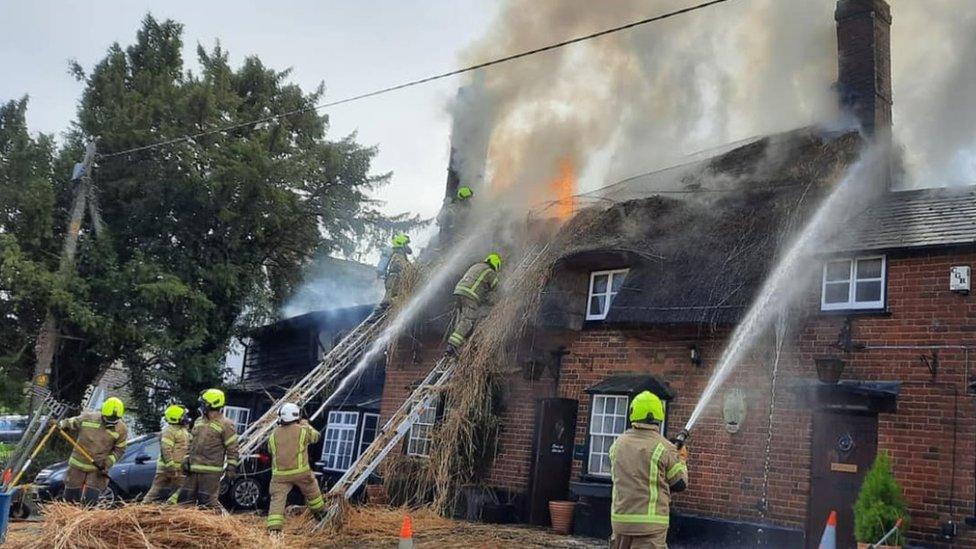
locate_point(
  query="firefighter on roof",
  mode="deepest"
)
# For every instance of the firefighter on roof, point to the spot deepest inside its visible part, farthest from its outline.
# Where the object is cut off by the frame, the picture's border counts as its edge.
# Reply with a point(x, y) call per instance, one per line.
point(394, 265)
point(103, 437)
point(289, 466)
point(174, 443)
point(214, 443)
point(472, 299)
point(646, 469)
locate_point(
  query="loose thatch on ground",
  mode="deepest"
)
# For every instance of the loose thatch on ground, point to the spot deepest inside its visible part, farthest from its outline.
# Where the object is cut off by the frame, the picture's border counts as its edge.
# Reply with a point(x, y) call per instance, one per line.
point(151, 526)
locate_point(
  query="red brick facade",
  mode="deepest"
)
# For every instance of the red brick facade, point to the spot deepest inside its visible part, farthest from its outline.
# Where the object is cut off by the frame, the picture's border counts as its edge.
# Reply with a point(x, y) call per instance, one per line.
point(931, 438)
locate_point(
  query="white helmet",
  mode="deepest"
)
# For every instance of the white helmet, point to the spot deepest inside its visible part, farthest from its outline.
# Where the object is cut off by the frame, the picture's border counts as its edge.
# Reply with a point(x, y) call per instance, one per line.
point(289, 413)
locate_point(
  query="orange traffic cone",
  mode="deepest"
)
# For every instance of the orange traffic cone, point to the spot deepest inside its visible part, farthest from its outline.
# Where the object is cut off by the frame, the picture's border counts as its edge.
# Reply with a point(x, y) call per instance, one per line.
point(406, 534)
point(829, 538)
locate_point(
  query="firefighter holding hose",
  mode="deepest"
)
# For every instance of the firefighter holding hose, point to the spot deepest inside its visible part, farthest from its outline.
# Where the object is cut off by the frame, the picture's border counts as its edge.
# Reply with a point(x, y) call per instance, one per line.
point(472, 299)
point(101, 441)
point(646, 469)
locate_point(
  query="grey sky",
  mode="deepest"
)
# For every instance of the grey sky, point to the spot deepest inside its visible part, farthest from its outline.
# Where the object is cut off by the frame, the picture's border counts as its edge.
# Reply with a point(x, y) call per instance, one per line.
point(353, 46)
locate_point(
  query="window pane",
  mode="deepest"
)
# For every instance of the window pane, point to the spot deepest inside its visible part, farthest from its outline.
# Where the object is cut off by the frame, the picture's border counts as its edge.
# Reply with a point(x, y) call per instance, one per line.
point(621, 406)
point(869, 268)
point(868, 291)
point(600, 284)
point(836, 293)
point(838, 270)
point(597, 305)
point(619, 425)
point(618, 281)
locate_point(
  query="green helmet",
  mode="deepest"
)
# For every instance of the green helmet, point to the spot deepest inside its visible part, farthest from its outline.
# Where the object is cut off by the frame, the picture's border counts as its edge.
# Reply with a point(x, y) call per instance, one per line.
point(494, 260)
point(175, 414)
point(213, 399)
point(464, 193)
point(647, 407)
point(112, 410)
point(400, 240)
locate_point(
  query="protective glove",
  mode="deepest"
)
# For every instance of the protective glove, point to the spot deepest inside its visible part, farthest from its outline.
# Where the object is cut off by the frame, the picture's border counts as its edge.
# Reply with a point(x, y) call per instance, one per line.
point(185, 466)
point(230, 472)
point(683, 453)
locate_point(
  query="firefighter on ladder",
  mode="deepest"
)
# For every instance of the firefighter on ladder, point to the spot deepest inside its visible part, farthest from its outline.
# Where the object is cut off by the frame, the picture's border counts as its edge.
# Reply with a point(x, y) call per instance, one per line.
point(103, 437)
point(213, 443)
point(452, 215)
point(289, 444)
point(646, 469)
point(472, 299)
point(174, 443)
point(395, 265)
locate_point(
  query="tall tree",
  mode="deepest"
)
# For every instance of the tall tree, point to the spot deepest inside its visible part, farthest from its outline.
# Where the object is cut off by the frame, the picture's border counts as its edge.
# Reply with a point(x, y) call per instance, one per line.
point(201, 233)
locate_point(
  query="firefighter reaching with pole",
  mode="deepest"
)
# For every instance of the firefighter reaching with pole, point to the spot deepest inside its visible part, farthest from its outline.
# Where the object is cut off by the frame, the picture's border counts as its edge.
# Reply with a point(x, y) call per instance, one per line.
point(646, 469)
point(472, 299)
point(289, 444)
point(174, 443)
point(99, 440)
point(213, 443)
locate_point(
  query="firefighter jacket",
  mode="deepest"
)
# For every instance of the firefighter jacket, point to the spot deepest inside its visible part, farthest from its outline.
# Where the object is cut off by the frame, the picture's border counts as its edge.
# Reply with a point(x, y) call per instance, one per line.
point(645, 469)
point(214, 439)
point(289, 448)
point(398, 263)
point(174, 443)
point(104, 443)
point(478, 282)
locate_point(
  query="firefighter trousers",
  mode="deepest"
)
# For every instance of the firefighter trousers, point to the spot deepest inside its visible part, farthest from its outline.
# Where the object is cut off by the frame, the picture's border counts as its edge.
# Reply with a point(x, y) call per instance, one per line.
point(656, 540)
point(84, 486)
point(165, 484)
point(281, 486)
point(201, 489)
point(392, 284)
point(467, 313)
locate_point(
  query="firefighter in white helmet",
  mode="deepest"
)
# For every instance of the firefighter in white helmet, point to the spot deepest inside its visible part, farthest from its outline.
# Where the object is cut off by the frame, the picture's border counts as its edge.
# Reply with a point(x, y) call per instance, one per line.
point(289, 466)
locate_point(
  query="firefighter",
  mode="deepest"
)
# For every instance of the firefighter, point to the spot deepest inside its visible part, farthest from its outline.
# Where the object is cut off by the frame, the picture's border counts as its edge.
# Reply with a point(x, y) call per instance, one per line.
point(174, 443)
point(471, 299)
point(289, 466)
point(454, 210)
point(646, 469)
point(395, 265)
point(213, 443)
point(103, 436)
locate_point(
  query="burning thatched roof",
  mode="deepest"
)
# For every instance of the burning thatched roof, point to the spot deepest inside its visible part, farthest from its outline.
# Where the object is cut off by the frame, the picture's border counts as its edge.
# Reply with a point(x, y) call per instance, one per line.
point(701, 257)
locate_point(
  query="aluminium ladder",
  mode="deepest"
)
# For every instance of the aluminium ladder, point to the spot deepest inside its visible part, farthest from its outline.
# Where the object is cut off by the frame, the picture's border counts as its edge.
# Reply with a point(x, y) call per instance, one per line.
point(334, 365)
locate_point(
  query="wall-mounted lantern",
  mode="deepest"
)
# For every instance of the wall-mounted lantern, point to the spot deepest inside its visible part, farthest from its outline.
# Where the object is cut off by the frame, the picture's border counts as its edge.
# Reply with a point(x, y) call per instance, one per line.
point(734, 410)
point(829, 369)
point(695, 354)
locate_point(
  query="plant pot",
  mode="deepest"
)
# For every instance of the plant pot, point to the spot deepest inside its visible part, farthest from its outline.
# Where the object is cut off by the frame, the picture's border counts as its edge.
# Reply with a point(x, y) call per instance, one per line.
point(829, 369)
point(861, 545)
point(376, 494)
point(561, 513)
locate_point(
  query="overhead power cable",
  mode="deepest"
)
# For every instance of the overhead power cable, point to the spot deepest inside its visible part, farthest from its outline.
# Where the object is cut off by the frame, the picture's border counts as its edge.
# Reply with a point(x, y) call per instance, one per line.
point(420, 81)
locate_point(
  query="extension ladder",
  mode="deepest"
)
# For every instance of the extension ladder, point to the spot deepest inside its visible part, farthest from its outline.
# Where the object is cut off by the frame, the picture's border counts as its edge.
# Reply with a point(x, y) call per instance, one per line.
point(20, 458)
point(333, 366)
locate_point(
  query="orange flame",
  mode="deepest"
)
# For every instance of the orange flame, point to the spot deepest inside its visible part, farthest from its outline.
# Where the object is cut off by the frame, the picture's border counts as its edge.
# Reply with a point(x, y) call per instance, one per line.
point(564, 189)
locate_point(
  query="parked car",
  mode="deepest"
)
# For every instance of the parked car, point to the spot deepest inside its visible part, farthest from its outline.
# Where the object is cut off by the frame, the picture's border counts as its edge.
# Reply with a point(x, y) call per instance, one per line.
point(12, 427)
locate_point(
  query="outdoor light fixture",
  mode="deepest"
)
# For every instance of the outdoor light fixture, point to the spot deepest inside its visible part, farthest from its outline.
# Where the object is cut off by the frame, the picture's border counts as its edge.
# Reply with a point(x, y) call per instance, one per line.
point(829, 369)
point(695, 355)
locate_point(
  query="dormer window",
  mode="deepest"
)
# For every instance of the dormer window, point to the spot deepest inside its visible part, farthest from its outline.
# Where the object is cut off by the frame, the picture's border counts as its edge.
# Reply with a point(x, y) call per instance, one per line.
point(853, 284)
point(604, 286)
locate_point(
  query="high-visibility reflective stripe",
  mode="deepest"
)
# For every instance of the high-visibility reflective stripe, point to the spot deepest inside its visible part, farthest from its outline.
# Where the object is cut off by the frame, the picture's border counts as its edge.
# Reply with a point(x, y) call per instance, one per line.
point(74, 462)
point(456, 339)
point(675, 470)
point(459, 289)
point(167, 442)
point(113, 434)
point(651, 517)
point(175, 497)
point(273, 446)
point(198, 468)
point(92, 424)
point(316, 503)
point(230, 440)
point(111, 457)
point(480, 279)
point(216, 427)
point(276, 520)
point(286, 472)
point(122, 444)
point(231, 461)
point(301, 459)
point(160, 464)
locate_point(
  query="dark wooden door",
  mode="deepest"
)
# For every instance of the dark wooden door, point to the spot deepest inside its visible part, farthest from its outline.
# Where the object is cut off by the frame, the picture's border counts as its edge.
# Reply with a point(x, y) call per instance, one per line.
point(552, 458)
point(843, 448)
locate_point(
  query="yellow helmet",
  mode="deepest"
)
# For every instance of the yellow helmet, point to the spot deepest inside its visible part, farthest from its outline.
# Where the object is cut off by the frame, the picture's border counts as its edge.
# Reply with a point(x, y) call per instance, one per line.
point(647, 404)
point(464, 193)
point(494, 260)
point(400, 240)
point(112, 410)
point(213, 399)
point(175, 414)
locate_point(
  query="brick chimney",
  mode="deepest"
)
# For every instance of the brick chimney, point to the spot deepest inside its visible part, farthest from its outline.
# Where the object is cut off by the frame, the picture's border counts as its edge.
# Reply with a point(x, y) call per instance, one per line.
point(864, 62)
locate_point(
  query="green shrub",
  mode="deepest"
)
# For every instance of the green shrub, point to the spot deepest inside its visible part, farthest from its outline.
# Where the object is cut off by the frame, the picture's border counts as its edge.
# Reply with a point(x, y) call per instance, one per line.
point(880, 504)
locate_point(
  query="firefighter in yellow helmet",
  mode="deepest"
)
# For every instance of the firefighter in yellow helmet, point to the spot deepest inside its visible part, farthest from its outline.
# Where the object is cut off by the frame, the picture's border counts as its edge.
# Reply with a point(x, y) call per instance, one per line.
point(472, 299)
point(213, 453)
point(174, 443)
point(452, 215)
point(646, 469)
point(394, 264)
point(289, 444)
point(103, 435)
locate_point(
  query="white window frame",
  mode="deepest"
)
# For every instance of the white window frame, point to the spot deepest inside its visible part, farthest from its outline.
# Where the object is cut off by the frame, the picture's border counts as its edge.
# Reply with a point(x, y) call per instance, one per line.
point(852, 280)
point(338, 425)
point(235, 415)
point(419, 439)
point(362, 431)
point(595, 451)
point(610, 294)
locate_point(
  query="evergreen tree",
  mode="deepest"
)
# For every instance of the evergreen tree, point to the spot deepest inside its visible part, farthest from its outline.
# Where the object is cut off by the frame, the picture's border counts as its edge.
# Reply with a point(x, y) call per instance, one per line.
point(879, 504)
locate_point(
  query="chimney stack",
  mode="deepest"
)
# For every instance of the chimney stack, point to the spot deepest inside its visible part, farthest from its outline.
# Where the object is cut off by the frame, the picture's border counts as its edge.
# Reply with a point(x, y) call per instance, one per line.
point(864, 63)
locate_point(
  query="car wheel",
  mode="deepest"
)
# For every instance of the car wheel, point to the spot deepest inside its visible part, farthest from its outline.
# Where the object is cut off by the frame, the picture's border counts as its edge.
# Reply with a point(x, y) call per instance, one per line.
point(246, 492)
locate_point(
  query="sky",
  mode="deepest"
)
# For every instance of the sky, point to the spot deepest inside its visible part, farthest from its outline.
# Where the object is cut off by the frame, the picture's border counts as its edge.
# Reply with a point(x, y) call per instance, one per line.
point(351, 46)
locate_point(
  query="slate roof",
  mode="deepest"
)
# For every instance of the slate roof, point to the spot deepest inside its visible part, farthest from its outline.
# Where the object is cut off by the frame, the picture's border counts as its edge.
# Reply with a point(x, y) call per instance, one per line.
point(914, 219)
